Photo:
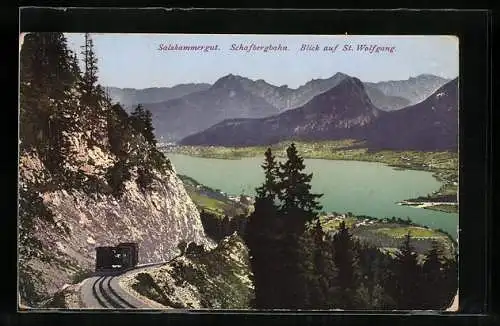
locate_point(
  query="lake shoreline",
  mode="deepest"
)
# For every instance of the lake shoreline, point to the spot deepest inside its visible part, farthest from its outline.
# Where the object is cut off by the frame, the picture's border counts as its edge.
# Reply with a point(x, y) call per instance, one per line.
point(328, 219)
point(447, 207)
point(399, 160)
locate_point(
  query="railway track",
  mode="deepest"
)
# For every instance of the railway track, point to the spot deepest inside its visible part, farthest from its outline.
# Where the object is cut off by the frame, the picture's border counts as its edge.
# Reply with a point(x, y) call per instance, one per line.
point(105, 292)
point(107, 296)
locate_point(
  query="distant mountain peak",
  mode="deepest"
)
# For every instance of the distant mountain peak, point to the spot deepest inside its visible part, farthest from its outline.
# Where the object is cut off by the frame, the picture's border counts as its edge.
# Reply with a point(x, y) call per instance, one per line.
point(228, 81)
point(340, 74)
point(428, 76)
point(415, 88)
point(349, 84)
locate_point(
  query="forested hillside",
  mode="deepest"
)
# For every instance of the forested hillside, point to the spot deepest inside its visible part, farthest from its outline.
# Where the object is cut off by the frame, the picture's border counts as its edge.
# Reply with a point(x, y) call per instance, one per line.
point(324, 270)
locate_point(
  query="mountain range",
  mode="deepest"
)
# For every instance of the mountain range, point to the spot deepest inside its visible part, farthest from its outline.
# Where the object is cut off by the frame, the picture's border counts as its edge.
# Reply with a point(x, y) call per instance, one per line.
point(429, 125)
point(237, 97)
point(346, 111)
point(130, 97)
point(414, 89)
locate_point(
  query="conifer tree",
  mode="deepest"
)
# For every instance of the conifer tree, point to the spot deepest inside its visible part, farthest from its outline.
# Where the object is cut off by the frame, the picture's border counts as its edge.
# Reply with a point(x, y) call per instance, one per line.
point(116, 176)
point(299, 205)
point(90, 63)
point(434, 276)
point(407, 277)
point(263, 236)
point(75, 66)
point(347, 265)
point(324, 288)
point(119, 131)
point(47, 76)
point(269, 189)
point(141, 120)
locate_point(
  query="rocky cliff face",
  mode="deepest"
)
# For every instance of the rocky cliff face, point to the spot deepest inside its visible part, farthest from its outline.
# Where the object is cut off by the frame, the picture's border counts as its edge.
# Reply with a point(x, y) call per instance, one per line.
point(217, 279)
point(157, 220)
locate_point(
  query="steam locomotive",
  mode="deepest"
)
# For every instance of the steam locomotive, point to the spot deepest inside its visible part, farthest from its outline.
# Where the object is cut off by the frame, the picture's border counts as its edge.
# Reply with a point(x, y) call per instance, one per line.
point(122, 257)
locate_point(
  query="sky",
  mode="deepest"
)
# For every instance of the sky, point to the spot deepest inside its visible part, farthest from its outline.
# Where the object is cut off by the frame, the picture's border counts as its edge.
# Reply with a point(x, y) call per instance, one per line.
point(136, 61)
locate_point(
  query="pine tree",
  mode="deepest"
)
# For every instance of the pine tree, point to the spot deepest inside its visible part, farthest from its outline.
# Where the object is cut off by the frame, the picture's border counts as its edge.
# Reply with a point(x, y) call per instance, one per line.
point(347, 265)
point(269, 190)
point(90, 62)
point(281, 250)
point(324, 289)
point(46, 108)
point(141, 120)
point(119, 131)
point(263, 237)
point(116, 176)
point(407, 277)
point(434, 276)
point(300, 206)
point(93, 99)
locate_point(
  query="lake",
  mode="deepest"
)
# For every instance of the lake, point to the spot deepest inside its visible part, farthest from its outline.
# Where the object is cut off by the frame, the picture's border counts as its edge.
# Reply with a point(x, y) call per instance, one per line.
point(363, 188)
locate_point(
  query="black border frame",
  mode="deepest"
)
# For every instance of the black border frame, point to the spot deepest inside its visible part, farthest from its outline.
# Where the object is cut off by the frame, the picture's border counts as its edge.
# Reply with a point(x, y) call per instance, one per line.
point(473, 27)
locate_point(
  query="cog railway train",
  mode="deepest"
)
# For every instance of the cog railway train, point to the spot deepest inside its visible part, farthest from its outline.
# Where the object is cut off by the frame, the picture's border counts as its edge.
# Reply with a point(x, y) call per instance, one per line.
point(119, 258)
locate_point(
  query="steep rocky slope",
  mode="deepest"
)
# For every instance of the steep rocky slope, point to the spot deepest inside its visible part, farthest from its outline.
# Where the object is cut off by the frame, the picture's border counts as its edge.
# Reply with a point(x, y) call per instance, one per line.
point(217, 279)
point(157, 220)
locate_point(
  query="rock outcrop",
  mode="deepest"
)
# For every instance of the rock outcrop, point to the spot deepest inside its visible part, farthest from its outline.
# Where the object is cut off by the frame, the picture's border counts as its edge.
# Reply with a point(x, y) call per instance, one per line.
point(220, 278)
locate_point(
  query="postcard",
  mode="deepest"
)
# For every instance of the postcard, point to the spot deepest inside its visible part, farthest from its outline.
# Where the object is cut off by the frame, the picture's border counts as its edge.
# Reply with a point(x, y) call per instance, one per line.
point(182, 172)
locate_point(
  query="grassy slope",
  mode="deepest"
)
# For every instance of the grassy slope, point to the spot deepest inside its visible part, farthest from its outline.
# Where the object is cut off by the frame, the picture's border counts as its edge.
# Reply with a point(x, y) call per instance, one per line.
point(211, 200)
